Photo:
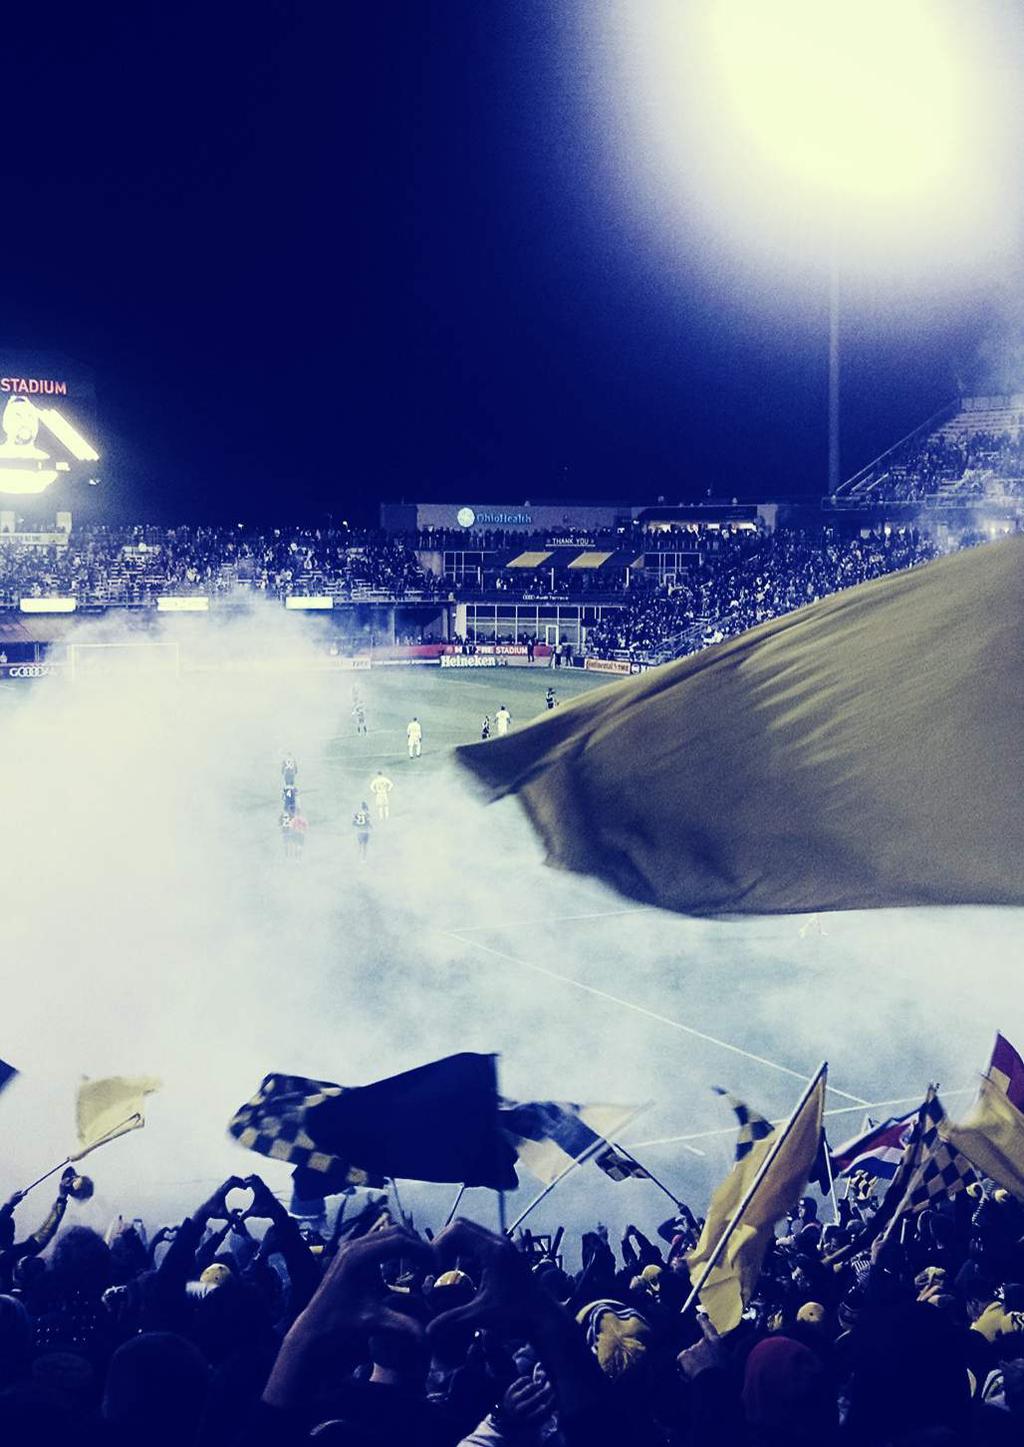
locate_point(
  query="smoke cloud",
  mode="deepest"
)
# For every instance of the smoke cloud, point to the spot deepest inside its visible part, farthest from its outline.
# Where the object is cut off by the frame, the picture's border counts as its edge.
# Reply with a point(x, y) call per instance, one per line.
point(151, 925)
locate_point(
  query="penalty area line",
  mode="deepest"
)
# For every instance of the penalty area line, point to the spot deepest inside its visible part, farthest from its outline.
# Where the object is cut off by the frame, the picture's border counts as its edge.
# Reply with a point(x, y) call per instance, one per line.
point(651, 1014)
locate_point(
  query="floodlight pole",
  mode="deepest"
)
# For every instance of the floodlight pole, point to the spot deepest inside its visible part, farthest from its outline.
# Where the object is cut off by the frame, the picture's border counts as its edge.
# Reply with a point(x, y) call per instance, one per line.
point(833, 360)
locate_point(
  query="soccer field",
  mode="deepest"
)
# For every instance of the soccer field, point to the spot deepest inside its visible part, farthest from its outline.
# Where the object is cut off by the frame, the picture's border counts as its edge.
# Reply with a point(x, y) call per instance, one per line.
point(154, 926)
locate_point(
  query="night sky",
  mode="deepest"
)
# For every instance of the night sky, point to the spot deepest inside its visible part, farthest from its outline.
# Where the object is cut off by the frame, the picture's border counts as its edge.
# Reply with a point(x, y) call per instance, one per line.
point(320, 255)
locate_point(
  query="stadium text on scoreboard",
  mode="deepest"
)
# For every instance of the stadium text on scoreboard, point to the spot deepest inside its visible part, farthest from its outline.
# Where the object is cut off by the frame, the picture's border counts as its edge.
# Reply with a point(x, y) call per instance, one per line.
point(34, 386)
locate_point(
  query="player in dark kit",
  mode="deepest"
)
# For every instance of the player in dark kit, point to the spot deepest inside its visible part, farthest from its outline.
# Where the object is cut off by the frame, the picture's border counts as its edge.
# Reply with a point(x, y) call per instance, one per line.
point(362, 824)
point(290, 799)
point(359, 715)
point(550, 699)
point(485, 727)
point(289, 770)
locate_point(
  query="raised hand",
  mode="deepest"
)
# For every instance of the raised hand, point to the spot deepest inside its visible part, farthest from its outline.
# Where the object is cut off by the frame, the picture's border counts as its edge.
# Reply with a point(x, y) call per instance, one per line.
point(213, 1208)
point(529, 1401)
point(507, 1293)
point(352, 1297)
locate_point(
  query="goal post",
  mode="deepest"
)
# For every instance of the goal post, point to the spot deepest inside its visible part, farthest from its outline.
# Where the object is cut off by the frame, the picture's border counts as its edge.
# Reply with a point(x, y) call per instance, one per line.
point(105, 660)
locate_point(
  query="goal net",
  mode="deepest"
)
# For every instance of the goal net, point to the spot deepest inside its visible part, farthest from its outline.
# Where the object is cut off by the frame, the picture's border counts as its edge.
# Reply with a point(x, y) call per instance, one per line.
point(102, 660)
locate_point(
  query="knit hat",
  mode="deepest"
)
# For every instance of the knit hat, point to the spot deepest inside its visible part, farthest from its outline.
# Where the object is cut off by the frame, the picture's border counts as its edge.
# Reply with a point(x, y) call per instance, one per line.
point(995, 1322)
point(617, 1335)
point(784, 1380)
point(648, 1281)
point(216, 1274)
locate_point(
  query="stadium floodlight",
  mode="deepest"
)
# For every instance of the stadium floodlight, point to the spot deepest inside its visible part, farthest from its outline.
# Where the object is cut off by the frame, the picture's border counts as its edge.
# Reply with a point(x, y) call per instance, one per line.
point(68, 435)
point(866, 136)
point(856, 98)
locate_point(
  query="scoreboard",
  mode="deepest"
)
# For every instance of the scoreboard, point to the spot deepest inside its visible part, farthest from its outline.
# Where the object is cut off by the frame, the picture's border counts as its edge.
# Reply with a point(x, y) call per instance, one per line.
point(47, 422)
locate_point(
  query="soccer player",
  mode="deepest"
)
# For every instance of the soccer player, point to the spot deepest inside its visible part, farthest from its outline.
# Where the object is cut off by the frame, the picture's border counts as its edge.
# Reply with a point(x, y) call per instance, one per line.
point(361, 824)
point(550, 699)
point(289, 770)
point(485, 727)
point(380, 788)
point(285, 826)
point(298, 833)
point(290, 800)
point(414, 737)
point(502, 719)
point(359, 715)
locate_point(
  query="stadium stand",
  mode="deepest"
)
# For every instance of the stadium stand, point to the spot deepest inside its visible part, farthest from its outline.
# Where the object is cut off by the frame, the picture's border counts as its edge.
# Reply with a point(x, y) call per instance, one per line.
point(961, 457)
point(126, 566)
point(754, 579)
point(267, 1327)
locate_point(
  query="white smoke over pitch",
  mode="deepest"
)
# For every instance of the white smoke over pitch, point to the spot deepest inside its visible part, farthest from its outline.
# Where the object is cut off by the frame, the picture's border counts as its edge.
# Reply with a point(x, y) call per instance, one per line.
point(152, 926)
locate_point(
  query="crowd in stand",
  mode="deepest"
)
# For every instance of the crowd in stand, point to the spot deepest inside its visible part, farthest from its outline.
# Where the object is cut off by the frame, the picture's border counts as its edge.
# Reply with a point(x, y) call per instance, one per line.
point(136, 565)
point(967, 466)
point(759, 578)
point(255, 1326)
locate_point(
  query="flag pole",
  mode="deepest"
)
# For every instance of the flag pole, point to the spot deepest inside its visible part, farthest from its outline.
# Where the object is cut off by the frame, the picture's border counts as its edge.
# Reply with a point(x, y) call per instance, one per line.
point(70, 1160)
point(455, 1206)
point(111, 1135)
point(648, 1173)
point(579, 1160)
point(45, 1176)
point(831, 1178)
point(751, 1191)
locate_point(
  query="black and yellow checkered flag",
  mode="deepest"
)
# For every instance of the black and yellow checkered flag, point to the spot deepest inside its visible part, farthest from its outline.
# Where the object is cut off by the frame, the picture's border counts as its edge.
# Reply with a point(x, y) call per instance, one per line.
point(273, 1123)
point(752, 1127)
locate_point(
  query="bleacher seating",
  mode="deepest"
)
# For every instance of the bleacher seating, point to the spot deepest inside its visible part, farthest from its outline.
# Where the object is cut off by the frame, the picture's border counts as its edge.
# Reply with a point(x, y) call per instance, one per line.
point(963, 457)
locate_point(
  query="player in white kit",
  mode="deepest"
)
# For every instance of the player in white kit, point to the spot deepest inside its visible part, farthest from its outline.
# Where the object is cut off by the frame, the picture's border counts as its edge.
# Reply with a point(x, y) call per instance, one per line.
point(380, 787)
point(502, 719)
point(414, 736)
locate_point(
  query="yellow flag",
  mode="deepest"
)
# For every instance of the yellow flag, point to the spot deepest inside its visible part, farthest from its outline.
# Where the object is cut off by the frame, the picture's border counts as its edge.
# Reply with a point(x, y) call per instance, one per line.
point(784, 770)
point(110, 1108)
point(787, 1157)
point(992, 1138)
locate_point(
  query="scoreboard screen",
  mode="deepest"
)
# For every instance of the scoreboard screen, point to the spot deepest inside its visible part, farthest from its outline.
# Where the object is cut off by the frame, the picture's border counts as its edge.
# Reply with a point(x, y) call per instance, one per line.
point(47, 422)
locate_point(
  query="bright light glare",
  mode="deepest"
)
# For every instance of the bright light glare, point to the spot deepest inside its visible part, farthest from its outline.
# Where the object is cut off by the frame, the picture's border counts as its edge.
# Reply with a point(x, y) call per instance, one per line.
point(764, 127)
point(863, 98)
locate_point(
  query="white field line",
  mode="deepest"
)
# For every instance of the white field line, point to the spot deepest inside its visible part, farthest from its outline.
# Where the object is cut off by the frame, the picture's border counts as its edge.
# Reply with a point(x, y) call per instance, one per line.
point(650, 1014)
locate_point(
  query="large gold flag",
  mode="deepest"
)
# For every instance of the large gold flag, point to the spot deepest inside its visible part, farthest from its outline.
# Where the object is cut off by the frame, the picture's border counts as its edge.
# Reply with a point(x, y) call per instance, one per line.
point(865, 751)
point(792, 1150)
point(992, 1135)
point(110, 1108)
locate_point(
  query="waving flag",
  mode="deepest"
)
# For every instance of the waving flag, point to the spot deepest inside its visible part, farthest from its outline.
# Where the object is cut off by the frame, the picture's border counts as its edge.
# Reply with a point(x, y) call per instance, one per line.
point(858, 753)
point(992, 1135)
point(436, 1123)
point(771, 1169)
point(549, 1135)
point(110, 1108)
point(877, 1151)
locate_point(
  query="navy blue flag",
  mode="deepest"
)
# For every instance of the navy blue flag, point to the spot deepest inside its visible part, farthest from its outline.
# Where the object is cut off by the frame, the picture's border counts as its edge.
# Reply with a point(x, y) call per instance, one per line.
point(436, 1123)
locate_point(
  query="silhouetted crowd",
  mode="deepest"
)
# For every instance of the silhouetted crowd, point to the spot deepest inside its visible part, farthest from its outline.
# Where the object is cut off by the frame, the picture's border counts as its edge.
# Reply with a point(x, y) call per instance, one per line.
point(757, 579)
point(966, 466)
point(250, 1325)
point(136, 565)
